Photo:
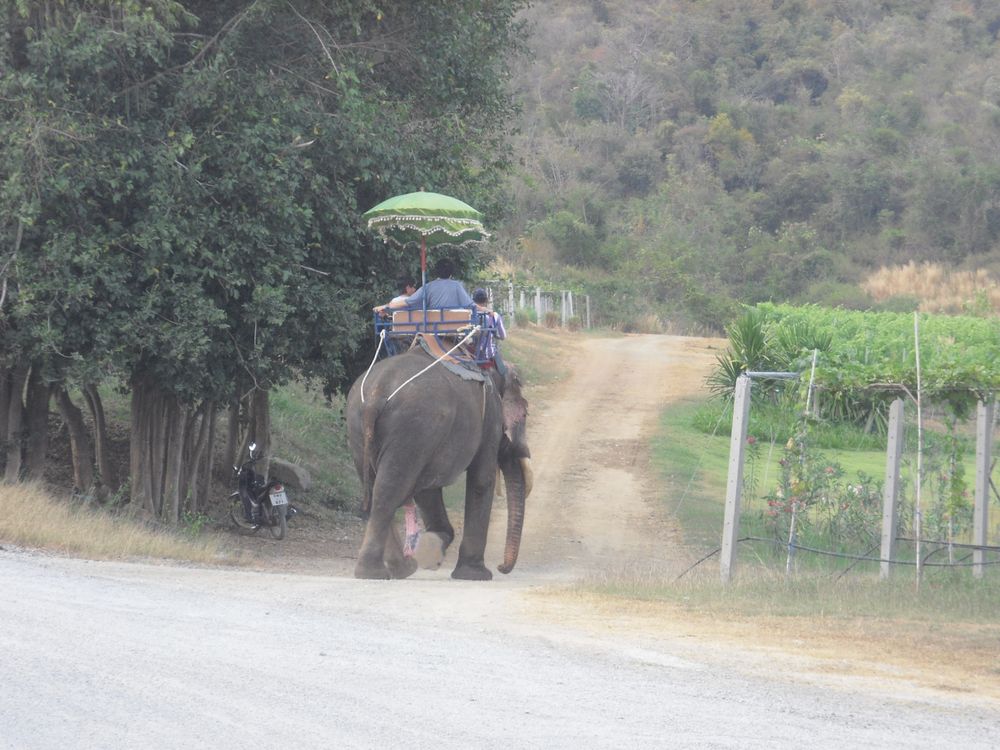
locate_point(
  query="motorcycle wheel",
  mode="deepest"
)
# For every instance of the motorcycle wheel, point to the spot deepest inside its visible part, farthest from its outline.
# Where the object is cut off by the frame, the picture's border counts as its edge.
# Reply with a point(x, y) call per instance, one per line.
point(239, 519)
point(279, 521)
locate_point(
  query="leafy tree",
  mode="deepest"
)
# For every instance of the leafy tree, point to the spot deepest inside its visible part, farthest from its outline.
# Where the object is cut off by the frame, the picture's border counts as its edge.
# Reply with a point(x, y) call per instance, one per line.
point(182, 188)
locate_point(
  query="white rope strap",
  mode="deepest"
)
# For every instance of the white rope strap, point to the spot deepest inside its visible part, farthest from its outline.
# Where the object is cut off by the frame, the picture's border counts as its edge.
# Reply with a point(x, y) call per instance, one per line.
point(381, 338)
point(468, 336)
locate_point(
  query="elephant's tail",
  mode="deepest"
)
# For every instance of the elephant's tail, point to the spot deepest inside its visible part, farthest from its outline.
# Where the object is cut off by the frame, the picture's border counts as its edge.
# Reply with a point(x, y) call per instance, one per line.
point(369, 417)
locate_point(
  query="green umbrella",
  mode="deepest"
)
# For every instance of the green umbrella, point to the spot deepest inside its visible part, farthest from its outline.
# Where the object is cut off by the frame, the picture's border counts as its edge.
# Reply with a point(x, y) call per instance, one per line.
point(428, 218)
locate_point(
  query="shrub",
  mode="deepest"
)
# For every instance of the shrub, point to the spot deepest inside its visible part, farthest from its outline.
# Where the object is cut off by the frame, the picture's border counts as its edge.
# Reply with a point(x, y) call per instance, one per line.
point(900, 303)
point(524, 316)
point(574, 323)
point(552, 319)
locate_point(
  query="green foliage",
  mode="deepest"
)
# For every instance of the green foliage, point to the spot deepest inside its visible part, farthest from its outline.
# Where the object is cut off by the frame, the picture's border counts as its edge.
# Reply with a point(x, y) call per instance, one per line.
point(525, 316)
point(194, 523)
point(574, 240)
point(866, 359)
point(185, 196)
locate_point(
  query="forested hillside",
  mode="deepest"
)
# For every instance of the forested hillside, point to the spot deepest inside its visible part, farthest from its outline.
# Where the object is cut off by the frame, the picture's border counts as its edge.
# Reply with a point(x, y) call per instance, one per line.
point(686, 155)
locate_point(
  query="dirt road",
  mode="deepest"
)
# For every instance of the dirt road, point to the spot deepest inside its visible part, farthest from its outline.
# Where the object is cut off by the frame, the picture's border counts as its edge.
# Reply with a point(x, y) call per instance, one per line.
point(105, 655)
point(592, 507)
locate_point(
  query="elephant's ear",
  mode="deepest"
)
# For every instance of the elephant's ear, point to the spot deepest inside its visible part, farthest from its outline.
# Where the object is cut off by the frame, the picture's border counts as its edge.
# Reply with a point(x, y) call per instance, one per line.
point(515, 408)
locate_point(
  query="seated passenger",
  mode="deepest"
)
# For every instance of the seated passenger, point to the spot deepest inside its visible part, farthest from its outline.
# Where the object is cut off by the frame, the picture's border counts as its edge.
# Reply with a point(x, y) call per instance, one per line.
point(442, 293)
point(488, 349)
point(406, 286)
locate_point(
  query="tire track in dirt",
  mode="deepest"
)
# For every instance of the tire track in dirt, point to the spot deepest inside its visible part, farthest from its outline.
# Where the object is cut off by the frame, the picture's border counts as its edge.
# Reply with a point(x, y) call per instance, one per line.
point(594, 506)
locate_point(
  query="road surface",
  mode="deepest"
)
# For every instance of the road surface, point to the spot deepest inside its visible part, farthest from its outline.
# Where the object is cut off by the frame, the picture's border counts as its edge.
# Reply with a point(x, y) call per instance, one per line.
point(118, 655)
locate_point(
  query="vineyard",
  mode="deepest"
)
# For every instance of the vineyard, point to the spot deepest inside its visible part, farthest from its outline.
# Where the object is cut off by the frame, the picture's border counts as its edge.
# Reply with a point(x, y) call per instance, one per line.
point(815, 458)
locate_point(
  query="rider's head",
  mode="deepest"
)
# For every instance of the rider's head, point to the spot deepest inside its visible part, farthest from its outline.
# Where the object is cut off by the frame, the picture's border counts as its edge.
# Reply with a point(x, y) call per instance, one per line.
point(406, 285)
point(480, 297)
point(444, 268)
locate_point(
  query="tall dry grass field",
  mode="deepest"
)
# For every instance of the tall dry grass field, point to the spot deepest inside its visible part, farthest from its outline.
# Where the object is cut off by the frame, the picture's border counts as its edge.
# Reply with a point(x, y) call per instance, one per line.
point(937, 288)
point(31, 517)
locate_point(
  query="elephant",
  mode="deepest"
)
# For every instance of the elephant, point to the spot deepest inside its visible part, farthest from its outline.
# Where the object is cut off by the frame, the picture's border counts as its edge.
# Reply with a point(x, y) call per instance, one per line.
point(413, 428)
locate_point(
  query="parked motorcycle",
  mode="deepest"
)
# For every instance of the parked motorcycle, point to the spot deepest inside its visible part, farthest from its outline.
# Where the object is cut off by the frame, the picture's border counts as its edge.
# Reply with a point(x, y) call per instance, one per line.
point(259, 501)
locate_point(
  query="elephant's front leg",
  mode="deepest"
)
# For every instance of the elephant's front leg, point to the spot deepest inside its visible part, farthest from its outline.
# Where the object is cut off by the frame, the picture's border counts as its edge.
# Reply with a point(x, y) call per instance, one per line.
point(479, 486)
point(438, 531)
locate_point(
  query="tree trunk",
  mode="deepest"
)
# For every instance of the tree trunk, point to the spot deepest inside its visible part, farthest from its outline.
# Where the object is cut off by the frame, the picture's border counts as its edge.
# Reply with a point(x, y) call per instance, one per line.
point(233, 433)
point(37, 417)
point(145, 428)
point(162, 453)
point(262, 427)
point(80, 443)
point(193, 488)
point(173, 460)
point(5, 374)
point(102, 446)
point(258, 428)
point(15, 424)
point(206, 486)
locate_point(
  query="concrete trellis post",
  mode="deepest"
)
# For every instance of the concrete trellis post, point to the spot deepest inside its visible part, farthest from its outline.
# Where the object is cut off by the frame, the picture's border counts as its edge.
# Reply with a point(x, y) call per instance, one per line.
point(588, 312)
point(538, 305)
point(510, 305)
point(984, 459)
point(734, 486)
point(563, 311)
point(890, 495)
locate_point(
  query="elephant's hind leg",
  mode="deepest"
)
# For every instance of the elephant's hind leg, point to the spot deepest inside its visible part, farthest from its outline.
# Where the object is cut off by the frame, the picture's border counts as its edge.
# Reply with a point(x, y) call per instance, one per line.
point(398, 564)
point(381, 553)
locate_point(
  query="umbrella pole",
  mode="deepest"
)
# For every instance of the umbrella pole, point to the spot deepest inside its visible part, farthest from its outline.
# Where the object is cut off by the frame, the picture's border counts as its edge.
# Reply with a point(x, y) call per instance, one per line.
point(423, 271)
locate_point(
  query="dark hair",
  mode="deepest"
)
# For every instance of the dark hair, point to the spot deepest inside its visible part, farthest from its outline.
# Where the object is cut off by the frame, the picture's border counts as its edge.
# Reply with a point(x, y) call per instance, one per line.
point(405, 281)
point(444, 268)
point(480, 296)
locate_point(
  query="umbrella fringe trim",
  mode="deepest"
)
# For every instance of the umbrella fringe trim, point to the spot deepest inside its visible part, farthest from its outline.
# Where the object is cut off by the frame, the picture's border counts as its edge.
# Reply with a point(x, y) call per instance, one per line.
point(424, 230)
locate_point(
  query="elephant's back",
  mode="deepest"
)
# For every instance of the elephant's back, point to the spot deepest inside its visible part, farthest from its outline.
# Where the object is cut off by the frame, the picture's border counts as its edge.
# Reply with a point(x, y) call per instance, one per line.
point(411, 371)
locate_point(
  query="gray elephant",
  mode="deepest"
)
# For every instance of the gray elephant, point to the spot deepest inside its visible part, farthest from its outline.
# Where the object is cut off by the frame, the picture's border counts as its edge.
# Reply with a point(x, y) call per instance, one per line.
point(413, 428)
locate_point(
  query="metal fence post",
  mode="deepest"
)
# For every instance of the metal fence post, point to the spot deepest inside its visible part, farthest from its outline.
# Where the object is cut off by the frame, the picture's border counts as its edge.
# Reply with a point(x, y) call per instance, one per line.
point(984, 459)
point(890, 495)
point(734, 487)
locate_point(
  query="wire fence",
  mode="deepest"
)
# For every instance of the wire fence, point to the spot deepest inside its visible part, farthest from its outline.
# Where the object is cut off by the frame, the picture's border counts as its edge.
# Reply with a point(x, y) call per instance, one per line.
point(560, 308)
point(783, 546)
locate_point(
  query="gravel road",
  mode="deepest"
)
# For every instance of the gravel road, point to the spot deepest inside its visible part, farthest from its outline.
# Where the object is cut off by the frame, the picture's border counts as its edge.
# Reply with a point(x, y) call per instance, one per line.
point(115, 655)
point(111, 655)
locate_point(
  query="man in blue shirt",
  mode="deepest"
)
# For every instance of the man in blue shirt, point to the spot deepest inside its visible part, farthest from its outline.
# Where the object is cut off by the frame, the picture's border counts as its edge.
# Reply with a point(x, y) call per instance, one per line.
point(442, 293)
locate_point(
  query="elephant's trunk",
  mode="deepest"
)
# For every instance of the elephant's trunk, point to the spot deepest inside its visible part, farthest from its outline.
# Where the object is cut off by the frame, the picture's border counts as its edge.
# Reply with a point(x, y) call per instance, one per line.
point(517, 477)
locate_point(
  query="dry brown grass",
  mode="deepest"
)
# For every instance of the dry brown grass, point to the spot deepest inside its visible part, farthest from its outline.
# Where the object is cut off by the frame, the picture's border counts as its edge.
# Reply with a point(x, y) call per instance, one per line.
point(937, 288)
point(540, 354)
point(31, 517)
point(960, 658)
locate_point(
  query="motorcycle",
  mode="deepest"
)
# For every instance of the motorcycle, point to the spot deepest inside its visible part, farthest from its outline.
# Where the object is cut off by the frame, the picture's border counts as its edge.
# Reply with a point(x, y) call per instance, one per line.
point(259, 501)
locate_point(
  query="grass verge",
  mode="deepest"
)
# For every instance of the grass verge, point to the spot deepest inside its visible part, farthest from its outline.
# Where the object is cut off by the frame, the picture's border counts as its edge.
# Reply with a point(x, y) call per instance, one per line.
point(947, 627)
point(31, 517)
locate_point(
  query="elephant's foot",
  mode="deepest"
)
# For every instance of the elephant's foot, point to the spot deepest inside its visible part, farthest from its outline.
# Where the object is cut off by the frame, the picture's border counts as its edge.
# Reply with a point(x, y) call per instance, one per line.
point(467, 572)
point(429, 553)
point(404, 567)
point(372, 570)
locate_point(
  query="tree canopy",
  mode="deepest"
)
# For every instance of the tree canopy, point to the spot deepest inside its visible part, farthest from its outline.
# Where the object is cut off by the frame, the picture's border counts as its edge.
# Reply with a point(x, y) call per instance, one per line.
point(181, 182)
